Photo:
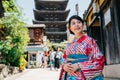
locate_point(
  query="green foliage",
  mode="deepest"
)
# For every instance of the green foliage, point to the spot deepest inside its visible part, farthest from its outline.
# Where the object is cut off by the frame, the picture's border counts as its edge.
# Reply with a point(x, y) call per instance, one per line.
point(9, 6)
point(15, 40)
point(23, 62)
point(15, 35)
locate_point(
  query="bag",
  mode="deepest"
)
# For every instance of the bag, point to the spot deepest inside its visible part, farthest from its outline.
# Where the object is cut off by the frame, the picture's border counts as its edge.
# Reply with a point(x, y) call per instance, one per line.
point(57, 55)
point(42, 59)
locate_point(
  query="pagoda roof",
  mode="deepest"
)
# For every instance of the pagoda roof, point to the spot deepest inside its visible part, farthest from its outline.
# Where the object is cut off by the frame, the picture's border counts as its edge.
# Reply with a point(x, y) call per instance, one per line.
point(47, 4)
point(36, 26)
point(49, 22)
point(48, 11)
point(62, 15)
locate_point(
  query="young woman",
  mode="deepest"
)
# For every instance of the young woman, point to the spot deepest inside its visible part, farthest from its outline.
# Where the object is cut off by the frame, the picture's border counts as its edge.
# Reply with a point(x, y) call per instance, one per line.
point(82, 59)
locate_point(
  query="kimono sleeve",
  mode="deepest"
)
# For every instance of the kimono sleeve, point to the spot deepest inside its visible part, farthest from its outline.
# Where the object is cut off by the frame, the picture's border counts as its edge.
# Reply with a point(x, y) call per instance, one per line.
point(96, 58)
point(63, 59)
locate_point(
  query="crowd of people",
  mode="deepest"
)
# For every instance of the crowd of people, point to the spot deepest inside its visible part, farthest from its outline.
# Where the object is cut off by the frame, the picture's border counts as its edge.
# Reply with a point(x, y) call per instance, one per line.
point(51, 59)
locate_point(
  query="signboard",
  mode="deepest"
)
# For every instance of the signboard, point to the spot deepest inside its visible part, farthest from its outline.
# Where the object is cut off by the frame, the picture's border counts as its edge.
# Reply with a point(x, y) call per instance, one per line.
point(107, 17)
point(44, 38)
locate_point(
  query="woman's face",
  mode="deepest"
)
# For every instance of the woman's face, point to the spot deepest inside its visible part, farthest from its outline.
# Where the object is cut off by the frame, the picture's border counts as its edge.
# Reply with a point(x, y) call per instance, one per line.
point(76, 26)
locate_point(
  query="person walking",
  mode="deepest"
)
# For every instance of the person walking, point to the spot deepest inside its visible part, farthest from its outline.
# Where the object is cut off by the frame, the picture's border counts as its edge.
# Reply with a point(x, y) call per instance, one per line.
point(82, 59)
point(58, 56)
point(44, 62)
point(52, 60)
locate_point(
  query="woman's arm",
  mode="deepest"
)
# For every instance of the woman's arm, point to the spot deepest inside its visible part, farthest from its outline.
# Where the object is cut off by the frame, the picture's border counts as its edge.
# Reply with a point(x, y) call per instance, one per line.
point(96, 58)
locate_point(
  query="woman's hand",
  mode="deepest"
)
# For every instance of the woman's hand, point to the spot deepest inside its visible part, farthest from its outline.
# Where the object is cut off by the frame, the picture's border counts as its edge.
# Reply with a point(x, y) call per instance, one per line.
point(70, 68)
point(67, 67)
point(75, 67)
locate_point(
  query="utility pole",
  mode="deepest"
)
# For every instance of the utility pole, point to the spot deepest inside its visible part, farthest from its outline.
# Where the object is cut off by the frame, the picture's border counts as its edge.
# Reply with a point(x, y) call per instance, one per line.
point(77, 9)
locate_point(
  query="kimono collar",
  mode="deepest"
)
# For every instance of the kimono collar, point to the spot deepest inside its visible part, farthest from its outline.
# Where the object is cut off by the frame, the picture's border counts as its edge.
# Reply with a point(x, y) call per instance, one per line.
point(83, 37)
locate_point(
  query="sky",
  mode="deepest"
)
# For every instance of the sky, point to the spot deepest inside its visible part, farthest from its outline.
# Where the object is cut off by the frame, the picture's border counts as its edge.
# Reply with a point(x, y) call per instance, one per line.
point(28, 6)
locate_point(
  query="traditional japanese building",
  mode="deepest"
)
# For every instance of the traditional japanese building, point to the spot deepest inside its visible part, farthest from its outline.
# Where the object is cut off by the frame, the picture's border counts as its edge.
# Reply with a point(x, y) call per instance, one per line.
point(53, 14)
point(103, 24)
point(35, 48)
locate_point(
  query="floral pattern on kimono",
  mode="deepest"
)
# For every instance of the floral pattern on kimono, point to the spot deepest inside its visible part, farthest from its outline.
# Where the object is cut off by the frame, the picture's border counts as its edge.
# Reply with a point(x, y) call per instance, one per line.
point(90, 68)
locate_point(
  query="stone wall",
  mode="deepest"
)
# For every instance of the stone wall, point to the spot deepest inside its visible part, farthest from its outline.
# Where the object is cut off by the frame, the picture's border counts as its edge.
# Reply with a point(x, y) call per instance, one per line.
point(7, 70)
point(112, 71)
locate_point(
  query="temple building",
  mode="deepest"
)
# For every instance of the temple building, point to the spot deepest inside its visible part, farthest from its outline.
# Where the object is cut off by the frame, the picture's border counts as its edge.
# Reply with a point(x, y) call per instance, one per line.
point(36, 47)
point(53, 14)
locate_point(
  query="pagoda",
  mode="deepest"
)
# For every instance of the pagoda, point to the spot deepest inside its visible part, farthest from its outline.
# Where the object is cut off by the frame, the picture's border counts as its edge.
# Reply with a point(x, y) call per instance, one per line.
point(53, 14)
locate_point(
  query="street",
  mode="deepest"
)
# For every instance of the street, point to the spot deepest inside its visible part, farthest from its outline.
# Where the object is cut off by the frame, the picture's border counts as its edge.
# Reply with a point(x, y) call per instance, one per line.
point(36, 74)
point(40, 74)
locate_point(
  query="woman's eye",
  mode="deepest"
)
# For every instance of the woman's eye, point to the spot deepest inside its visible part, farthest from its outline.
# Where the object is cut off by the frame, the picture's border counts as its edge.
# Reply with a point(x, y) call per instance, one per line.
point(73, 23)
point(79, 22)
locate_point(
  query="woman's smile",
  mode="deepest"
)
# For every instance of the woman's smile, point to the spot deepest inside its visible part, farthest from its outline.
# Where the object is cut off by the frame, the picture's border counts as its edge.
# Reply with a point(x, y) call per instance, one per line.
point(78, 28)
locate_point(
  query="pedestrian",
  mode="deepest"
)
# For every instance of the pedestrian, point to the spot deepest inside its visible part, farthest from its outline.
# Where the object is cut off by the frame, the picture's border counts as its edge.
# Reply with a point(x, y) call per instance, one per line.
point(52, 60)
point(43, 59)
point(82, 59)
point(57, 57)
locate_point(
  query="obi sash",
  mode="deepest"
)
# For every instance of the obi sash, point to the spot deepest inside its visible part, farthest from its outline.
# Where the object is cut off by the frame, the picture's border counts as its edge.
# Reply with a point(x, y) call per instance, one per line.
point(76, 58)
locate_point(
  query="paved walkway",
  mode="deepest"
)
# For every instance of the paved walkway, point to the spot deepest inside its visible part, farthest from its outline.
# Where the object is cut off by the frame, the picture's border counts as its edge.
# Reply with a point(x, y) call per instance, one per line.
point(36, 74)
point(39, 74)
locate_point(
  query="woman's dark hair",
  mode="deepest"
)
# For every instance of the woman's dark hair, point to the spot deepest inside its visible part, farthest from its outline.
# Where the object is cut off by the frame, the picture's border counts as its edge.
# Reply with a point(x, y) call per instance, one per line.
point(53, 48)
point(74, 17)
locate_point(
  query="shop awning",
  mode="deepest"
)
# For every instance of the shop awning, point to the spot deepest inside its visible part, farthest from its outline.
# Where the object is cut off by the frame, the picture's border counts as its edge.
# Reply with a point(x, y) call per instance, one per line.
point(34, 48)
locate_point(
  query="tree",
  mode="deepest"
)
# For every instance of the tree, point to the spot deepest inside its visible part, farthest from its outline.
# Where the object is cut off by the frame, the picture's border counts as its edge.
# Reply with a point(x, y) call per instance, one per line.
point(14, 36)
